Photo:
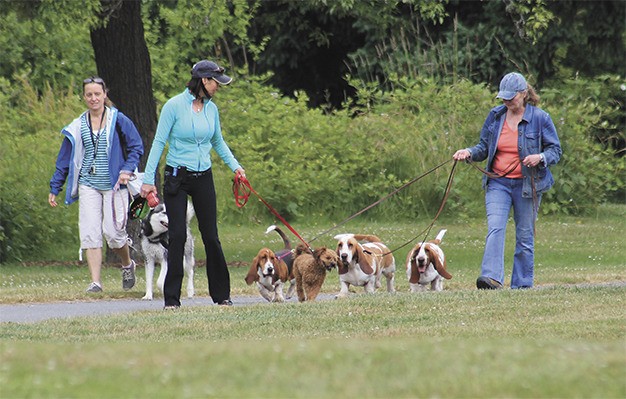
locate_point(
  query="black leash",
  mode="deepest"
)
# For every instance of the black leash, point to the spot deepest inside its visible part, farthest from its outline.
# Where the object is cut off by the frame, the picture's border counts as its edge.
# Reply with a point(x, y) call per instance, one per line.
point(392, 194)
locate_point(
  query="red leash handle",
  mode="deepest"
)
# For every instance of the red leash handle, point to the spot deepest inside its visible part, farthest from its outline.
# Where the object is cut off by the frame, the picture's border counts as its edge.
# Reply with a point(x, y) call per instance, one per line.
point(242, 190)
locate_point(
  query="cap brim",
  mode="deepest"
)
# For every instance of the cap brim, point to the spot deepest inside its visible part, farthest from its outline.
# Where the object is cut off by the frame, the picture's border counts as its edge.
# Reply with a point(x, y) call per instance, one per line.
point(506, 95)
point(222, 79)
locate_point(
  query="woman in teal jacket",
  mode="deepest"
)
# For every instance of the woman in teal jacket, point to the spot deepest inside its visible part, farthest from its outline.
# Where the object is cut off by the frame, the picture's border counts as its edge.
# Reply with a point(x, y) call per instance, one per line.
point(91, 160)
point(190, 124)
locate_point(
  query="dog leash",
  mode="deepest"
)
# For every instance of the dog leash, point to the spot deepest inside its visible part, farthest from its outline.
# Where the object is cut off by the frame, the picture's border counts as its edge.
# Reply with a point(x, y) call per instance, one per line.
point(394, 192)
point(242, 189)
point(444, 199)
point(511, 168)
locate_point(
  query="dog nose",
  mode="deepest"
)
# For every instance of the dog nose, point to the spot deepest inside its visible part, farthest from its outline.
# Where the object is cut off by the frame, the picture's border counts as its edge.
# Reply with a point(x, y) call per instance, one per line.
point(344, 257)
point(270, 269)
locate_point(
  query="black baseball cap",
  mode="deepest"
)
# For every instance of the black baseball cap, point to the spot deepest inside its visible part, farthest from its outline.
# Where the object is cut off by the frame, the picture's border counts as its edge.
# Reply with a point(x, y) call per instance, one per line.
point(209, 69)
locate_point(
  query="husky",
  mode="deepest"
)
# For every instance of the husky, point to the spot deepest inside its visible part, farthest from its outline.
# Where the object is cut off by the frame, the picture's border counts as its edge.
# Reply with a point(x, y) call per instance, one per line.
point(154, 244)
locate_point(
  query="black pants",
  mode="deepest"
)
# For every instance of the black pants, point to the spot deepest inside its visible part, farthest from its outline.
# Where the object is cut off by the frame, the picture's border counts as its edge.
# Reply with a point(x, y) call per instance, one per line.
point(201, 189)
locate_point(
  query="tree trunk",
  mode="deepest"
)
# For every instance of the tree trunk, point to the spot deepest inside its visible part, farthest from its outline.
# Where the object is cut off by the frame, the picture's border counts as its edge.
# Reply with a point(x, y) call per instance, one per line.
point(123, 61)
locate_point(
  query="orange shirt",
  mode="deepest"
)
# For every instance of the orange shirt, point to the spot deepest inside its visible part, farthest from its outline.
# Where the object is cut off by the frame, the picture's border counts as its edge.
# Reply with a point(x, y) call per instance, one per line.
point(507, 153)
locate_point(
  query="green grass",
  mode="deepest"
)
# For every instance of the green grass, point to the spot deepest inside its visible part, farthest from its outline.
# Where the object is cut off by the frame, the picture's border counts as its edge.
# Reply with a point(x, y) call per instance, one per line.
point(563, 340)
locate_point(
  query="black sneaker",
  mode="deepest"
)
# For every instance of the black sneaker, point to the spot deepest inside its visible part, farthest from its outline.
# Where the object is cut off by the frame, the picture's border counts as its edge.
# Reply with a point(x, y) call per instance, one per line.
point(486, 283)
point(128, 276)
point(226, 302)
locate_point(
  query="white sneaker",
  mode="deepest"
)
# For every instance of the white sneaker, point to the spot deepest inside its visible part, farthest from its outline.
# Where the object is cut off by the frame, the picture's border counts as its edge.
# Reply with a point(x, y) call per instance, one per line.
point(94, 287)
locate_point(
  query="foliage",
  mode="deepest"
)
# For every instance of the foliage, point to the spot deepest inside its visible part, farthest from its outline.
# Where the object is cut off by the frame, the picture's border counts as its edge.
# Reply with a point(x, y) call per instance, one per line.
point(590, 123)
point(183, 32)
point(310, 164)
point(29, 142)
point(47, 44)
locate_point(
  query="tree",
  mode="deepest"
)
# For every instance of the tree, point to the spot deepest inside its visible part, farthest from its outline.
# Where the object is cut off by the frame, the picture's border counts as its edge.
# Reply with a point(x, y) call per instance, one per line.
point(123, 62)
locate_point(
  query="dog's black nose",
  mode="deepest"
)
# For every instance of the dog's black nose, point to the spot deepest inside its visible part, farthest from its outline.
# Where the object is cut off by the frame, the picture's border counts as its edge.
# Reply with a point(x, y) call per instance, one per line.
point(344, 257)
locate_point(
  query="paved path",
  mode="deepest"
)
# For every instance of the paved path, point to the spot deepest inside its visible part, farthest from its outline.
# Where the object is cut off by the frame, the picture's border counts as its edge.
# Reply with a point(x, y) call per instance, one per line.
point(34, 312)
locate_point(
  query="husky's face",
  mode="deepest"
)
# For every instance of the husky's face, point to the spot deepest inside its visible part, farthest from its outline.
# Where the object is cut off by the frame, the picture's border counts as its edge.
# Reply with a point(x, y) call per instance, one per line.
point(156, 223)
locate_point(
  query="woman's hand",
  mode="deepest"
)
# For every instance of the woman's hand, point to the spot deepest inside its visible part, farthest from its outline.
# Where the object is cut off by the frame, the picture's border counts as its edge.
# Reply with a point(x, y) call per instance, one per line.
point(124, 178)
point(52, 200)
point(461, 155)
point(532, 160)
point(241, 172)
point(147, 189)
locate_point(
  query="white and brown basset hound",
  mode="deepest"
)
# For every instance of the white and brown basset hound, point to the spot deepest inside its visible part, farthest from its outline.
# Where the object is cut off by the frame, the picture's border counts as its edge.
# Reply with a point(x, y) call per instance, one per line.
point(362, 265)
point(270, 273)
point(426, 264)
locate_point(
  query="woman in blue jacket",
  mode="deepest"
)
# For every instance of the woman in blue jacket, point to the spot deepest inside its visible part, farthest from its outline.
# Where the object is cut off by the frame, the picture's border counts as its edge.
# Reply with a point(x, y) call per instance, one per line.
point(92, 161)
point(519, 142)
point(190, 124)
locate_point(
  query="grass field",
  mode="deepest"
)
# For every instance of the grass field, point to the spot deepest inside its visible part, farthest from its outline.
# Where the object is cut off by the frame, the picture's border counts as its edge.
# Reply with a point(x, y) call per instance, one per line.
point(565, 339)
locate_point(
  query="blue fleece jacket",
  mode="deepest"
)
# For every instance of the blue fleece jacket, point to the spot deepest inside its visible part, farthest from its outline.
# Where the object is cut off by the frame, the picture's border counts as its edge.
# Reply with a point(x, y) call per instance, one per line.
point(72, 151)
point(189, 146)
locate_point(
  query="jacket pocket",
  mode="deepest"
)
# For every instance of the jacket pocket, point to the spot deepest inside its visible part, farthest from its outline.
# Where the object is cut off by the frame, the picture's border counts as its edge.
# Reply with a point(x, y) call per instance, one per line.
point(532, 142)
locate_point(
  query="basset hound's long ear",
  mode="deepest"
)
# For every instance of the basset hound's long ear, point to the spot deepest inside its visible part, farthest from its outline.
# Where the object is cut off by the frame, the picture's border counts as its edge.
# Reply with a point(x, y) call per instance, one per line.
point(363, 260)
point(440, 264)
point(252, 275)
point(281, 270)
point(415, 274)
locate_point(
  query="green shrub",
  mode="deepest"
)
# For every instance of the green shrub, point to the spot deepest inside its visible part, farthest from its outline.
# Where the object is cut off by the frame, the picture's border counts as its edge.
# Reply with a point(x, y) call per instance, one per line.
point(29, 142)
point(315, 167)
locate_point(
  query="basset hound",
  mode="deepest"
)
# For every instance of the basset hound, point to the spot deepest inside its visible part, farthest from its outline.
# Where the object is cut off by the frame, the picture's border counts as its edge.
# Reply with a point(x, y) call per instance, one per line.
point(270, 273)
point(362, 265)
point(426, 264)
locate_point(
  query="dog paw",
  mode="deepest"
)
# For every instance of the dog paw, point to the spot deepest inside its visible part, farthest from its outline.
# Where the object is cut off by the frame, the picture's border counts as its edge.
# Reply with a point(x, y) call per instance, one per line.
point(147, 297)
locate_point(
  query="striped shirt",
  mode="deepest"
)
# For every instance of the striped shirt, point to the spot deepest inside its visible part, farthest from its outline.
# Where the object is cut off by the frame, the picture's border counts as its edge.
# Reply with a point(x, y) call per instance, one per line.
point(94, 171)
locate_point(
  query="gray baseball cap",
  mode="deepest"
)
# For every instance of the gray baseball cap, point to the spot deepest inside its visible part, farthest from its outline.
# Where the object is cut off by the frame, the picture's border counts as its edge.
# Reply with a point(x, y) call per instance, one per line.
point(510, 85)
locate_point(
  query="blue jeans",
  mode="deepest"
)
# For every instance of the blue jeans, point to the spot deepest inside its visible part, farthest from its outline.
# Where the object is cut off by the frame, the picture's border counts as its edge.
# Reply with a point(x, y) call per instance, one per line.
point(501, 195)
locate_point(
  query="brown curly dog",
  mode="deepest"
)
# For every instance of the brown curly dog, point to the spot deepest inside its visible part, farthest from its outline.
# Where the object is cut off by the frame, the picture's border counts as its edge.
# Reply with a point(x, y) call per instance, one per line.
point(310, 270)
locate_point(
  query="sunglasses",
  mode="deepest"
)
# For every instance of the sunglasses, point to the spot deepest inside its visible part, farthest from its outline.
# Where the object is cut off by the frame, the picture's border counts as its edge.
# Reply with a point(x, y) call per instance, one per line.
point(93, 79)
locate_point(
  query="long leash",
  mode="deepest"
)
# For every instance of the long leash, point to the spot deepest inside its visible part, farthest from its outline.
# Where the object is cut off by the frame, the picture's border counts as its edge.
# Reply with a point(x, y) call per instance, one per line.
point(394, 192)
point(509, 169)
point(242, 189)
point(427, 230)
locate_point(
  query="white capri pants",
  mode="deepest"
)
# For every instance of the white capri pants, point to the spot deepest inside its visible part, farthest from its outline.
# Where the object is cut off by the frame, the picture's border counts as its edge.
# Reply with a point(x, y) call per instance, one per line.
point(96, 212)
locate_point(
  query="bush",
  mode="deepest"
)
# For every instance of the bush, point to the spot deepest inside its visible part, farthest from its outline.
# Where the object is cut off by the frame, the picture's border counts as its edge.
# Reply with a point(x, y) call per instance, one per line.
point(29, 142)
point(316, 167)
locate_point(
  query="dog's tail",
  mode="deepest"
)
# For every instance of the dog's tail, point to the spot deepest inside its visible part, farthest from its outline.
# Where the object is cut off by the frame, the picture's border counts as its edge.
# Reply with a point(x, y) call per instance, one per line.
point(301, 249)
point(286, 241)
point(367, 237)
point(439, 237)
point(191, 211)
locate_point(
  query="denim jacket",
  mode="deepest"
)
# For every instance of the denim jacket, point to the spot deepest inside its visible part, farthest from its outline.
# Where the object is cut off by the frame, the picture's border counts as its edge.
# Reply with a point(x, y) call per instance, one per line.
point(537, 135)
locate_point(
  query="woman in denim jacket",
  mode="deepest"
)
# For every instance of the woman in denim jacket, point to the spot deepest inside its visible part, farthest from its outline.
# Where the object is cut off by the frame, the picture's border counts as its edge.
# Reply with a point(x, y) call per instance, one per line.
point(520, 142)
